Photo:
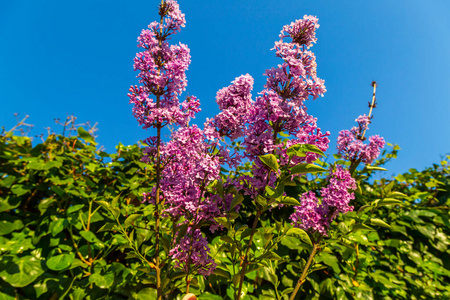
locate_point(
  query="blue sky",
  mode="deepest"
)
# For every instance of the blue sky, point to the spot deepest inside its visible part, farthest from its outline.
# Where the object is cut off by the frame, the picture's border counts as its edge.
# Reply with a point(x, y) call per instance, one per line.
point(75, 57)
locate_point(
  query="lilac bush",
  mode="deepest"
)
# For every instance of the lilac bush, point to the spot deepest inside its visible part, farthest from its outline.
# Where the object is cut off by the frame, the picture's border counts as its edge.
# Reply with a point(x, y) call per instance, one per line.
point(277, 143)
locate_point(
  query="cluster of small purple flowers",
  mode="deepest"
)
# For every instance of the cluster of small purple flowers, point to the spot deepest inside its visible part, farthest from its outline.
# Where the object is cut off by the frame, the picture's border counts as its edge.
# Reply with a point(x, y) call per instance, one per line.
point(187, 162)
point(316, 217)
point(192, 251)
point(350, 143)
point(280, 106)
point(189, 166)
point(162, 73)
point(234, 102)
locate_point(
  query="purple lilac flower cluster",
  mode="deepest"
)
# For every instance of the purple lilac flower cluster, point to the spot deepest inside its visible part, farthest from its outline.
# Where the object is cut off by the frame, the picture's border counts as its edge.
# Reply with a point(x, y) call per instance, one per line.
point(316, 217)
point(187, 162)
point(350, 143)
point(192, 251)
point(280, 106)
point(234, 102)
point(190, 167)
point(162, 73)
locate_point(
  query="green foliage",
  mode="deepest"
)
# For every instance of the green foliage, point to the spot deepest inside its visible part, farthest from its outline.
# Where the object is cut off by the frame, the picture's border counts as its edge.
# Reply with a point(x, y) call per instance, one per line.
point(72, 226)
point(51, 242)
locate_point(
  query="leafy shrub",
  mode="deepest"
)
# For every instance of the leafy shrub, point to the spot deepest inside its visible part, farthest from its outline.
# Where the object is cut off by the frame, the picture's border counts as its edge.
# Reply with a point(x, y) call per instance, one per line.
point(57, 242)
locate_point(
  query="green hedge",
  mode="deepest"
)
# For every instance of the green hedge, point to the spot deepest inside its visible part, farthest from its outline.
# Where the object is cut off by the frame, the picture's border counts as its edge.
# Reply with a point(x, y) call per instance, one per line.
point(58, 242)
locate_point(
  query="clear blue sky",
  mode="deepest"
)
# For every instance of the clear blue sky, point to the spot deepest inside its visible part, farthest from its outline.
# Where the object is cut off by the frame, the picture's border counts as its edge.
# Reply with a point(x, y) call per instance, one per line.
point(75, 57)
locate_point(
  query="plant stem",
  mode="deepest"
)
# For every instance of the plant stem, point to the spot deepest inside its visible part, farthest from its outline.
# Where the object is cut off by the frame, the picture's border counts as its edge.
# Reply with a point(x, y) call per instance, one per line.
point(158, 178)
point(305, 269)
point(188, 283)
point(372, 105)
point(355, 163)
point(245, 261)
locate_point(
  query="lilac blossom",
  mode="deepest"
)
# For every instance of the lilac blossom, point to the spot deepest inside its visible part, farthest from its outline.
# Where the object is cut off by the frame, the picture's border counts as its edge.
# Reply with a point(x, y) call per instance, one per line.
point(302, 32)
point(310, 215)
point(335, 195)
point(234, 102)
point(192, 253)
point(280, 107)
point(189, 167)
point(317, 217)
point(188, 163)
point(350, 143)
point(162, 73)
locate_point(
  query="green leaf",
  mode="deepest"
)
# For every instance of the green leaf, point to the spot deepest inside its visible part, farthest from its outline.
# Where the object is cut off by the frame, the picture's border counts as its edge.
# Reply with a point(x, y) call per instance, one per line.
point(182, 229)
point(304, 237)
point(8, 226)
point(270, 276)
point(364, 208)
point(146, 294)
point(20, 190)
point(387, 189)
point(104, 204)
point(253, 267)
point(58, 226)
point(9, 203)
point(428, 230)
point(275, 193)
point(261, 200)
point(389, 201)
point(20, 272)
point(90, 237)
point(74, 208)
point(374, 168)
point(313, 149)
point(288, 201)
point(329, 260)
point(60, 262)
point(292, 243)
point(377, 222)
point(115, 200)
point(287, 291)
point(270, 255)
point(222, 273)
point(270, 160)
point(301, 149)
point(82, 133)
point(78, 294)
point(215, 186)
point(358, 227)
point(109, 227)
point(247, 232)
point(42, 165)
point(177, 275)
point(102, 281)
point(131, 219)
point(227, 239)
point(236, 201)
point(398, 194)
point(306, 168)
point(110, 207)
